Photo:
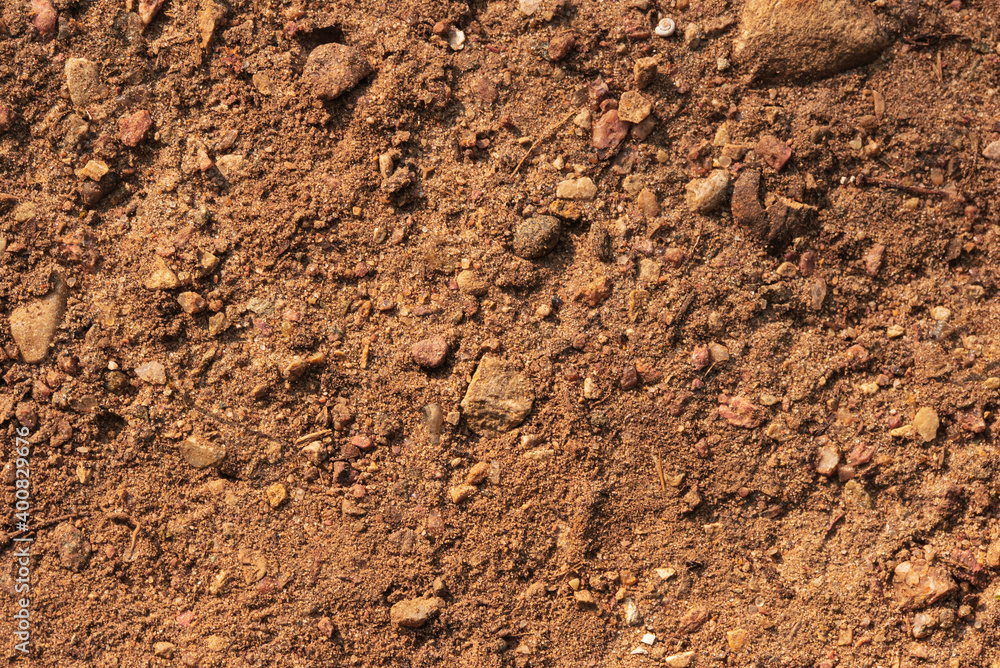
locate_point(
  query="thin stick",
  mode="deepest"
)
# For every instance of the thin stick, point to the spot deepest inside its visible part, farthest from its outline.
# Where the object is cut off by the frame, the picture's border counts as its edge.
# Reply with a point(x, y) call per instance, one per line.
point(659, 470)
point(131, 544)
point(545, 137)
point(316, 435)
point(218, 418)
point(42, 525)
point(913, 190)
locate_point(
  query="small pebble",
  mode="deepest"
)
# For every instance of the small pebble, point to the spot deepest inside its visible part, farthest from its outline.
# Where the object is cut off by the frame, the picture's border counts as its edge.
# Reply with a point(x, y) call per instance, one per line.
point(940, 313)
point(560, 47)
point(737, 639)
point(276, 494)
point(81, 79)
point(201, 453)
point(415, 612)
point(827, 460)
point(609, 130)
point(773, 151)
point(992, 151)
point(706, 195)
point(460, 493)
point(644, 71)
point(34, 325)
point(191, 302)
point(577, 189)
point(634, 107)
point(536, 237)
point(162, 277)
point(431, 352)
point(132, 129)
point(152, 372)
point(926, 423)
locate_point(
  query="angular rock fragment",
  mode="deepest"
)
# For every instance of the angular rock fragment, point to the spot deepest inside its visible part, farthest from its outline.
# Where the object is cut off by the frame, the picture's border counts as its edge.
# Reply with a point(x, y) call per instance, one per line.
point(609, 130)
point(916, 584)
point(81, 79)
point(536, 237)
point(333, 69)
point(34, 325)
point(415, 612)
point(498, 398)
point(706, 195)
point(201, 453)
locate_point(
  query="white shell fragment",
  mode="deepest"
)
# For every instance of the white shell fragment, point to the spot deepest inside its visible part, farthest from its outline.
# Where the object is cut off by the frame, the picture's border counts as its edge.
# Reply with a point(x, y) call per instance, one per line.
point(666, 27)
point(456, 39)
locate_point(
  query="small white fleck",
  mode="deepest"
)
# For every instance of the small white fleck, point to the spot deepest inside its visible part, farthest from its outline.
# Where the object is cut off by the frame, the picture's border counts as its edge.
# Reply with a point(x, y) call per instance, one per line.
point(649, 639)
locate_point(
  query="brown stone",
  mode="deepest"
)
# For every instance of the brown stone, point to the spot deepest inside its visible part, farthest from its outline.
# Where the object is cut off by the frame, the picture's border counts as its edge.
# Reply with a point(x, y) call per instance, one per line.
point(807, 39)
point(560, 46)
point(334, 69)
point(916, 584)
point(609, 130)
point(431, 352)
point(746, 204)
point(498, 398)
point(132, 129)
point(415, 612)
point(774, 152)
point(34, 325)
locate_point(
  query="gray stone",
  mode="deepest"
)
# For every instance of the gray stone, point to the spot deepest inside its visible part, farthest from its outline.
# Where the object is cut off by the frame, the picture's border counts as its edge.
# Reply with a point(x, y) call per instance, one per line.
point(536, 236)
point(498, 399)
point(34, 325)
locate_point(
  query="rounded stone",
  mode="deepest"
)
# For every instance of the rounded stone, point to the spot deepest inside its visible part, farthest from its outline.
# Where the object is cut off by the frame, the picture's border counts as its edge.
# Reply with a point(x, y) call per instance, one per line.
point(431, 352)
point(536, 237)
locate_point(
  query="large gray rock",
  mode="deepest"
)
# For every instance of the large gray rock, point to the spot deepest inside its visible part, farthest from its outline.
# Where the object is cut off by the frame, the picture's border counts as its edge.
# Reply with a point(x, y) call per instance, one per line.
point(807, 39)
point(498, 399)
point(34, 325)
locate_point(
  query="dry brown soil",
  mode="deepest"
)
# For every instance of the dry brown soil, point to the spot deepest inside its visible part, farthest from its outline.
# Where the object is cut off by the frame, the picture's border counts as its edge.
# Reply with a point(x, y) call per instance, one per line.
point(641, 451)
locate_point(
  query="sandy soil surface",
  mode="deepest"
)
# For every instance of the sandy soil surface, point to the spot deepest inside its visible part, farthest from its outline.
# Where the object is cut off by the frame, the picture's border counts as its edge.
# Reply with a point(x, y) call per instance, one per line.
point(499, 333)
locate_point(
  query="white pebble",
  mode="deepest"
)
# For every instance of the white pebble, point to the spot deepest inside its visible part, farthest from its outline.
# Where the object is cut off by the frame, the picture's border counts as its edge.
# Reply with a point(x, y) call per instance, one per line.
point(666, 27)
